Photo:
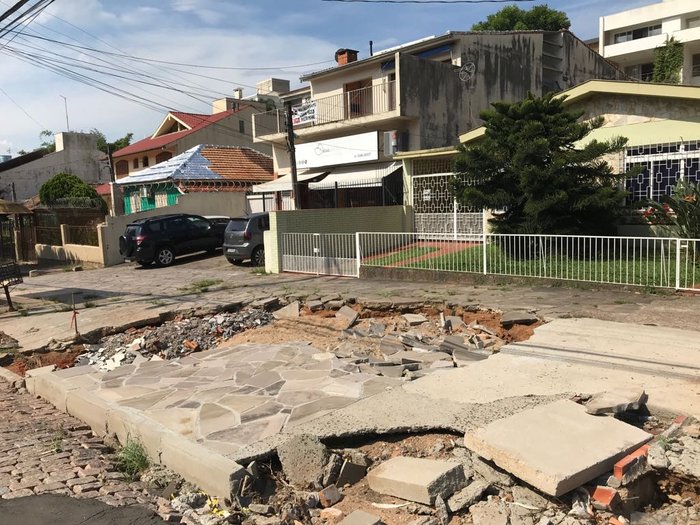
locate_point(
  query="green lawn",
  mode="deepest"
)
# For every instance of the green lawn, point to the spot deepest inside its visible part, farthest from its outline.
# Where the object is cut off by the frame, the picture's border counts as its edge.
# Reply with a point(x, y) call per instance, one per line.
point(642, 271)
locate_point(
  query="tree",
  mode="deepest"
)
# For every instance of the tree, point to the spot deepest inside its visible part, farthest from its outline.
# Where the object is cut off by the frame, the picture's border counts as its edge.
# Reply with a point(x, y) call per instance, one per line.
point(530, 168)
point(48, 143)
point(680, 211)
point(68, 189)
point(512, 18)
point(668, 61)
point(111, 147)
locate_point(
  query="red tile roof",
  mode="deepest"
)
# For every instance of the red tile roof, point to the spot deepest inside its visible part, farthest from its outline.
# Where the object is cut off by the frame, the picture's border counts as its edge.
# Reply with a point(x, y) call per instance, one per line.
point(239, 164)
point(103, 189)
point(194, 120)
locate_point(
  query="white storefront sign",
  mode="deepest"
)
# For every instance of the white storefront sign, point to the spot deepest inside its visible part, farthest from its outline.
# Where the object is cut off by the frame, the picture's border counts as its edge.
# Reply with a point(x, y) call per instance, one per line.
point(344, 150)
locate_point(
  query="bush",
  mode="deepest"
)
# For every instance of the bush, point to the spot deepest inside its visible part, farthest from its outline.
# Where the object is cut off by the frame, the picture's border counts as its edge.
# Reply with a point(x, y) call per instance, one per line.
point(132, 459)
point(66, 188)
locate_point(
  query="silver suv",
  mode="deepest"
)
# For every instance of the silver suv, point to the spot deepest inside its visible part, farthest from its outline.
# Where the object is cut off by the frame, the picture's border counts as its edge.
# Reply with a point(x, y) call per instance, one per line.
point(243, 239)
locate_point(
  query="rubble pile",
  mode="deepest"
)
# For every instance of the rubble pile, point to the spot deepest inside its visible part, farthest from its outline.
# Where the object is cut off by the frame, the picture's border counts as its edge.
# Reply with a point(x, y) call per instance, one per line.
point(434, 479)
point(171, 339)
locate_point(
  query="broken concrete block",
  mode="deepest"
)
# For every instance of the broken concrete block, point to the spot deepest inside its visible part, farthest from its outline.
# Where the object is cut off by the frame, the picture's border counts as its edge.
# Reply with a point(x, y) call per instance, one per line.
point(351, 473)
point(291, 311)
point(494, 512)
point(258, 508)
point(556, 462)
point(466, 356)
point(417, 479)
point(332, 470)
point(265, 303)
point(314, 305)
point(616, 402)
point(415, 319)
point(329, 298)
point(442, 364)
point(376, 329)
point(490, 474)
point(390, 345)
point(456, 322)
point(468, 495)
point(360, 517)
point(335, 305)
point(303, 459)
point(329, 496)
point(392, 370)
point(657, 458)
point(441, 511)
point(511, 318)
point(348, 314)
point(529, 497)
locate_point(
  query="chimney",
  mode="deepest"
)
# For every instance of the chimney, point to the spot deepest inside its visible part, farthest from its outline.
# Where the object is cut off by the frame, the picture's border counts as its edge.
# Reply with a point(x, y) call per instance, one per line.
point(238, 93)
point(345, 56)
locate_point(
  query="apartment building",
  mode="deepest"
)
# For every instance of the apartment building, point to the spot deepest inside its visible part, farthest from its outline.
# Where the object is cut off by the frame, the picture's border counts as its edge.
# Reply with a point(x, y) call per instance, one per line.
point(350, 119)
point(629, 38)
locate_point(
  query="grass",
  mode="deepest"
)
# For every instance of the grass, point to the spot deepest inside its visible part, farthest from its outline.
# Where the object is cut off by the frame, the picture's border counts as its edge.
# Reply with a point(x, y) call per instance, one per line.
point(89, 304)
point(202, 285)
point(259, 270)
point(403, 255)
point(57, 440)
point(651, 273)
point(132, 459)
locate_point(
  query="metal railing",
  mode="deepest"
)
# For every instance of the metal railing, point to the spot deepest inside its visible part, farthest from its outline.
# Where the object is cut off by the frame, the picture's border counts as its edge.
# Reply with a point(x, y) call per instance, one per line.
point(363, 102)
point(639, 261)
point(84, 235)
point(50, 235)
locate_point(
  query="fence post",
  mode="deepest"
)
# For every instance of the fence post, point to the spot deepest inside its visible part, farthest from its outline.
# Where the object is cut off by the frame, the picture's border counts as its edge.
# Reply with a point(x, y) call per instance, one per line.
point(678, 264)
point(358, 255)
point(483, 242)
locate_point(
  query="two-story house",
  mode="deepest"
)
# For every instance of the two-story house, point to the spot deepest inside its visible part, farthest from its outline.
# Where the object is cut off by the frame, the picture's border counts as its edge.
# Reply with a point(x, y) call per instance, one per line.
point(353, 117)
point(630, 37)
point(229, 124)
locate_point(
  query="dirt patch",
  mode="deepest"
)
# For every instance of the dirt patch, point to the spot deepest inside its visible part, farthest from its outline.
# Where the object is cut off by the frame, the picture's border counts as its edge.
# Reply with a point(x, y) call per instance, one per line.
point(60, 360)
point(320, 332)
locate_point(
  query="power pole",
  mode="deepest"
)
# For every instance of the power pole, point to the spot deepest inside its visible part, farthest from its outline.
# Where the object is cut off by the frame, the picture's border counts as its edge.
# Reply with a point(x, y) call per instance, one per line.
point(292, 157)
point(65, 107)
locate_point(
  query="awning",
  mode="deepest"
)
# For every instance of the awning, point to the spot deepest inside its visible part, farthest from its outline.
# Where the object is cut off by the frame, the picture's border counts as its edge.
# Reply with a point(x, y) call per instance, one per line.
point(357, 176)
point(284, 183)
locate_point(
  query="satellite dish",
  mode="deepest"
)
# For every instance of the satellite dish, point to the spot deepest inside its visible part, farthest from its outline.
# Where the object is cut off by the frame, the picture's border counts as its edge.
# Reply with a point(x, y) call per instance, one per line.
point(466, 72)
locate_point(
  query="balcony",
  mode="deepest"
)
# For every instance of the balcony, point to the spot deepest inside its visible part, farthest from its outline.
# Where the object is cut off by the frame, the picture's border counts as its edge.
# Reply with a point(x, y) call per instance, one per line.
point(356, 105)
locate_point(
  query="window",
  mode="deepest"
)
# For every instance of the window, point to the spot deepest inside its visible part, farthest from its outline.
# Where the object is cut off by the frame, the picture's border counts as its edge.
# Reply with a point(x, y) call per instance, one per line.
point(121, 168)
point(692, 22)
point(241, 126)
point(135, 164)
point(696, 65)
point(635, 34)
point(197, 223)
point(145, 162)
point(643, 72)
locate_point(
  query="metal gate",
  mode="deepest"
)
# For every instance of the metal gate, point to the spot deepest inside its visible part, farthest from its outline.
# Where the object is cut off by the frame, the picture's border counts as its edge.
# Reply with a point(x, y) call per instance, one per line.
point(7, 241)
point(320, 253)
point(436, 212)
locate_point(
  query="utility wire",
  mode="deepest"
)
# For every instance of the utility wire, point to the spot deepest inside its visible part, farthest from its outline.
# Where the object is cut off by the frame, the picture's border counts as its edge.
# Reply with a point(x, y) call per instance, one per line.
point(428, 1)
point(41, 126)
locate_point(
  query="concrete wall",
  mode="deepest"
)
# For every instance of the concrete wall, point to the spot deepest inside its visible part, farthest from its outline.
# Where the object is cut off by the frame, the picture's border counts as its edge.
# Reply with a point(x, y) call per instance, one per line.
point(621, 110)
point(75, 153)
point(342, 220)
point(229, 204)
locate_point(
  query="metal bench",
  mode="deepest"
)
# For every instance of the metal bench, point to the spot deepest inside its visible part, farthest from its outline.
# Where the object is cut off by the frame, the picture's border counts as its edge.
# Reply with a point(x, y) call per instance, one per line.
point(9, 276)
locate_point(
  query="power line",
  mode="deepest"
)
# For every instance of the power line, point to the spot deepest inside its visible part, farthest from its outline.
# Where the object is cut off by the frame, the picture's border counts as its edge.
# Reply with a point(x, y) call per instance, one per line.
point(22, 109)
point(428, 1)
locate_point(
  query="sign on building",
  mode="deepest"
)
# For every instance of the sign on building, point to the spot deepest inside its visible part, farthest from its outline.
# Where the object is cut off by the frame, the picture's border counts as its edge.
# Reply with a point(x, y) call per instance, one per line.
point(304, 113)
point(344, 150)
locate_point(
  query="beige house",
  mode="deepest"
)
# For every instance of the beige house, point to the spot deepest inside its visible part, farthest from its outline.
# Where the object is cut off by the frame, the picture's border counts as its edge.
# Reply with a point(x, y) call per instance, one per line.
point(351, 119)
point(229, 124)
point(629, 37)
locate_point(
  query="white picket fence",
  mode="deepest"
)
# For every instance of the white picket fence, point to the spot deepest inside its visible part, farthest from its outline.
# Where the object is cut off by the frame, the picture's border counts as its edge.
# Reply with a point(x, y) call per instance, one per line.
point(672, 263)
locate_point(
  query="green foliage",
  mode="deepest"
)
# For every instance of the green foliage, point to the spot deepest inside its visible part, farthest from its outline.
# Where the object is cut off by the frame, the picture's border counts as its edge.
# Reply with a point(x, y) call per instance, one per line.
point(68, 189)
point(111, 147)
point(48, 143)
point(132, 459)
point(668, 61)
point(532, 170)
point(512, 18)
point(681, 211)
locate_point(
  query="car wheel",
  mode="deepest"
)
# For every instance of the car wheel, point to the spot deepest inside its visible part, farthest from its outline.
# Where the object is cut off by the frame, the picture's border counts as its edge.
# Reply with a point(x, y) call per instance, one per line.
point(258, 256)
point(124, 247)
point(165, 256)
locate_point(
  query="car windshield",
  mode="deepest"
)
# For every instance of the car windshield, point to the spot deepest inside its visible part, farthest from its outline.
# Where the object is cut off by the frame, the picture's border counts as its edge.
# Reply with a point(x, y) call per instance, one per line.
point(237, 225)
point(133, 230)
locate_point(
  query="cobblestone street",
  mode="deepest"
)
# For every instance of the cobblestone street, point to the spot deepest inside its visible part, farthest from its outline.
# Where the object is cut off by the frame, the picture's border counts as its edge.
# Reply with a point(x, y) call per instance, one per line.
point(44, 451)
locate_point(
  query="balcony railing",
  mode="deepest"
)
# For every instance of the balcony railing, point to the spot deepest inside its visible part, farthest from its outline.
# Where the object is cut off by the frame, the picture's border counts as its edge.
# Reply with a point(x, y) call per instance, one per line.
point(364, 102)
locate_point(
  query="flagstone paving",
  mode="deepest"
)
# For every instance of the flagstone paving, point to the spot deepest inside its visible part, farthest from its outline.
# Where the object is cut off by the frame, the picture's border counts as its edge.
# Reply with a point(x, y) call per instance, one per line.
point(231, 397)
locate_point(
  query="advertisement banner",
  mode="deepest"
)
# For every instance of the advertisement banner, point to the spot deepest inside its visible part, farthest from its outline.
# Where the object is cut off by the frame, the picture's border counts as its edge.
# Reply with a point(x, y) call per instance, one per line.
point(304, 114)
point(345, 150)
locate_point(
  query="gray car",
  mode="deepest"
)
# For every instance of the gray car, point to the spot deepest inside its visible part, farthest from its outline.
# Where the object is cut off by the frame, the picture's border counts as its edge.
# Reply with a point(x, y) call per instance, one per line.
point(243, 239)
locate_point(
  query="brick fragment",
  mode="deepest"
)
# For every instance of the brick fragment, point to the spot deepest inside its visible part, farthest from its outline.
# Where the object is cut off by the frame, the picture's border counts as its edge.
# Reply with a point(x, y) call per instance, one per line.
point(605, 498)
point(631, 463)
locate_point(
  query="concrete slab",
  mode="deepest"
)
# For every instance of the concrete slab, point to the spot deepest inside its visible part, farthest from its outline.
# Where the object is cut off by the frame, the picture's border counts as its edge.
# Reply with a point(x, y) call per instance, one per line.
point(417, 479)
point(556, 447)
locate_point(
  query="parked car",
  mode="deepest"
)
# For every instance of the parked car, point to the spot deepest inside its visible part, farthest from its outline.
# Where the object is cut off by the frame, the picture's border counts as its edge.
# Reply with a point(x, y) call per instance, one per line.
point(243, 239)
point(161, 238)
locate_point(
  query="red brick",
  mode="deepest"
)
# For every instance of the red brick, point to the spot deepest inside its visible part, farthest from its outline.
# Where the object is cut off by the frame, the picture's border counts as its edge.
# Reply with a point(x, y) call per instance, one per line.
point(605, 498)
point(680, 420)
point(630, 461)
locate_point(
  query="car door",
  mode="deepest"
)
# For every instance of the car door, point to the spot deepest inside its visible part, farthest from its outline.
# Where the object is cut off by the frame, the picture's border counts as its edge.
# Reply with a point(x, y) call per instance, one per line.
point(200, 234)
point(178, 235)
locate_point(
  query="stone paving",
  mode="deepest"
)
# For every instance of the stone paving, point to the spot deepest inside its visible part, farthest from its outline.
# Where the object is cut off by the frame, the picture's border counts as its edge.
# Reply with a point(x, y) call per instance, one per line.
point(44, 451)
point(229, 398)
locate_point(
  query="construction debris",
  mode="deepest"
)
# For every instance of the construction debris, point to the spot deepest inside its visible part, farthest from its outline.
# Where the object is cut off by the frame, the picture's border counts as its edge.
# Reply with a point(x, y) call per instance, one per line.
point(616, 402)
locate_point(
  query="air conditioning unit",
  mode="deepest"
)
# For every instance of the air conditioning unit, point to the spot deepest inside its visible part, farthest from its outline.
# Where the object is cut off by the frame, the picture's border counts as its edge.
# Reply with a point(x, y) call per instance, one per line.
point(395, 141)
point(146, 192)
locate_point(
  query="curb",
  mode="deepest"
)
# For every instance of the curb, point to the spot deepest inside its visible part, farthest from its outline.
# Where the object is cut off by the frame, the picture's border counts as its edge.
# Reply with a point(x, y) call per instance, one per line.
point(15, 380)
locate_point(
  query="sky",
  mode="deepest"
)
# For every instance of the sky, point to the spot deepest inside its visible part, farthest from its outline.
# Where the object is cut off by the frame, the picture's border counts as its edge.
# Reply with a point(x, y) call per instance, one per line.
point(290, 37)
